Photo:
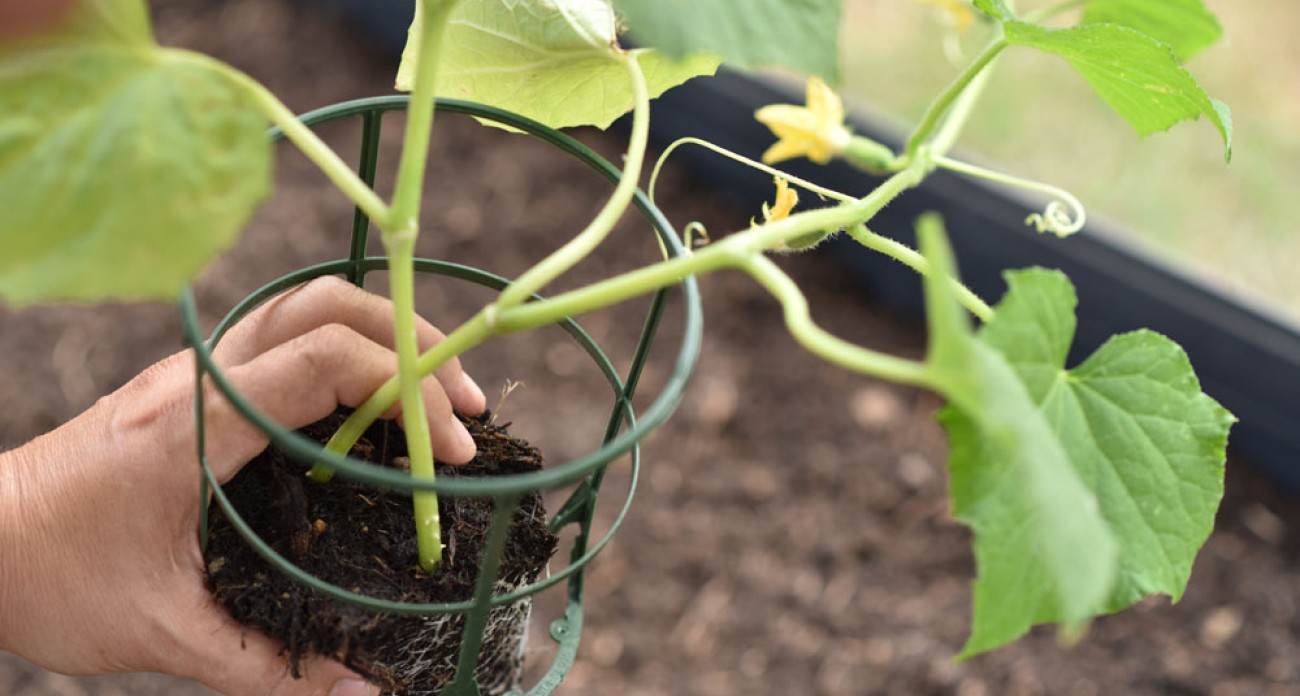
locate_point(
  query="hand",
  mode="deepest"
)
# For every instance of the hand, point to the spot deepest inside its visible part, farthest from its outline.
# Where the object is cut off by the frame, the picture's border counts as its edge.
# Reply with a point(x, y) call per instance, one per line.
point(100, 568)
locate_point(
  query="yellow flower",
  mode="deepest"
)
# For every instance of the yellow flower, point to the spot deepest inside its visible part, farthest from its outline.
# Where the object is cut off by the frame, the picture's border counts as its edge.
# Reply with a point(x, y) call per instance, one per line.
point(958, 11)
point(786, 199)
point(815, 131)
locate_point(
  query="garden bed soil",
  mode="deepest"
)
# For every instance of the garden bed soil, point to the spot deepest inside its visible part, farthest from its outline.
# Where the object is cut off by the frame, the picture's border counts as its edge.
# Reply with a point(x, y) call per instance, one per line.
point(360, 538)
point(791, 534)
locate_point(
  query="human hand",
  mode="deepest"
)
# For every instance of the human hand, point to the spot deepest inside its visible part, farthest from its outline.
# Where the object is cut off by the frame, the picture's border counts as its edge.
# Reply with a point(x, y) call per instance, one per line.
point(100, 567)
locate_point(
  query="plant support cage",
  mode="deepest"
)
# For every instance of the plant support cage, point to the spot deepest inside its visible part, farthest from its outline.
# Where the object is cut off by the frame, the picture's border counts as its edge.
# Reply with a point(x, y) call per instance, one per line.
point(584, 475)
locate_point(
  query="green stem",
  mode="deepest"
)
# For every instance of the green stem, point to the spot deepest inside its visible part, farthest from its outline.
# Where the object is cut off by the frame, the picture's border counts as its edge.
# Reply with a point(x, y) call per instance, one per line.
point(306, 140)
point(732, 252)
point(401, 227)
point(409, 187)
point(465, 337)
point(826, 345)
point(751, 163)
point(581, 245)
point(1064, 214)
point(399, 243)
point(960, 111)
point(940, 105)
point(401, 273)
point(619, 288)
point(914, 260)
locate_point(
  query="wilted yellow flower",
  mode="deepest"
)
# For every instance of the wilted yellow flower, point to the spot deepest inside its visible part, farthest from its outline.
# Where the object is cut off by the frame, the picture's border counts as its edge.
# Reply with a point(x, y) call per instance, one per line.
point(958, 11)
point(786, 199)
point(815, 131)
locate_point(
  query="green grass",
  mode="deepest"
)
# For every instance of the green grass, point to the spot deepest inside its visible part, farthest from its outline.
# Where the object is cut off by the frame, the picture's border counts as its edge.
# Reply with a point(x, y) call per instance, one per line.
point(1173, 190)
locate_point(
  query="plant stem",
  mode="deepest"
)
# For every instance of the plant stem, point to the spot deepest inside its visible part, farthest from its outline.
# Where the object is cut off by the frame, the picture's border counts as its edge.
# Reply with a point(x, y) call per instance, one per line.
point(914, 260)
point(751, 163)
point(306, 140)
point(823, 344)
point(409, 188)
point(580, 246)
point(465, 337)
point(736, 251)
point(400, 227)
point(960, 111)
point(940, 105)
point(399, 242)
point(401, 273)
point(731, 252)
point(1064, 214)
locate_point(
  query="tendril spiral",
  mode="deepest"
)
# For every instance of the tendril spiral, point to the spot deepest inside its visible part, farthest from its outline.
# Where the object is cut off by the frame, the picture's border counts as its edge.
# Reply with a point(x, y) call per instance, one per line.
point(1062, 217)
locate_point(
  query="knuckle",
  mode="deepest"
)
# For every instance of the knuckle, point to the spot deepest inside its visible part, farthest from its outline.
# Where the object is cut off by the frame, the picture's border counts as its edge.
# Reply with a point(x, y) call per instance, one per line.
point(325, 347)
point(332, 290)
point(327, 285)
point(330, 337)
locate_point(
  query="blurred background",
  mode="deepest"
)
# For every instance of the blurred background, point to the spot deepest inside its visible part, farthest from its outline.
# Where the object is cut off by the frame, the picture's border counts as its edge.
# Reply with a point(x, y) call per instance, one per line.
point(791, 532)
point(1234, 223)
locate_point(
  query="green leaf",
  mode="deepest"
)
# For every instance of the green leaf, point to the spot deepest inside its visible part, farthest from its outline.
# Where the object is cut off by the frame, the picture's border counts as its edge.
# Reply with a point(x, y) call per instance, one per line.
point(798, 34)
point(1139, 77)
point(123, 167)
point(1043, 550)
point(997, 9)
point(1138, 433)
point(1185, 25)
point(1136, 424)
point(555, 61)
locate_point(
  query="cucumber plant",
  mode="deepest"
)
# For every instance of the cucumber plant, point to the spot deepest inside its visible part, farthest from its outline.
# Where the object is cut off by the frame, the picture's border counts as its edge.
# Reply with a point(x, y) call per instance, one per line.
point(125, 167)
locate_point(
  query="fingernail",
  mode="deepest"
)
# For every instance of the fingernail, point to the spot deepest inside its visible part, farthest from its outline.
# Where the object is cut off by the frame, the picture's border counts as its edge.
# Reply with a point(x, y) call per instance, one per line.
point(466, 440)
point(474, 388)
point(353, 687)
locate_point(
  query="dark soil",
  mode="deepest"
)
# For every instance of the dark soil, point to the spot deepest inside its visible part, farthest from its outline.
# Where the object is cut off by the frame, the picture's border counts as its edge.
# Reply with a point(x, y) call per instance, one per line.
point(359, 538)
point(791, 532)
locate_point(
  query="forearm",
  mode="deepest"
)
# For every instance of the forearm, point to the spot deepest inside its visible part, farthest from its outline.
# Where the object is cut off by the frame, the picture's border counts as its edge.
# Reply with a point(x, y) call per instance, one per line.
point(13, 554)
point(52, 528)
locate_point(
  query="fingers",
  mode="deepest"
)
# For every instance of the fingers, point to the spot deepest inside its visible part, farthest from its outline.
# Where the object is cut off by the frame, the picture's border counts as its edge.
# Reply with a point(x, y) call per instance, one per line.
point(331, 300)
point(303, 380)
point(238, 661)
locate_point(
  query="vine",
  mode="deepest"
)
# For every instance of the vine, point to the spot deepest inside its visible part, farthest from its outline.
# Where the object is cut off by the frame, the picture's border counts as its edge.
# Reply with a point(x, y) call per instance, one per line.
point(1042, 455)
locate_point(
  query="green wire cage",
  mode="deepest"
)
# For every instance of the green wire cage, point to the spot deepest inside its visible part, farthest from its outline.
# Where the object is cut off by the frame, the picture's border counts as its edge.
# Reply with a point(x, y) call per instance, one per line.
point(583, 475)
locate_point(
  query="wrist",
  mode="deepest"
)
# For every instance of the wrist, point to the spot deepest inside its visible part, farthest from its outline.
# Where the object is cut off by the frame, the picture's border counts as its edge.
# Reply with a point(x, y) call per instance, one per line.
point(11, 532)
point(30, 484)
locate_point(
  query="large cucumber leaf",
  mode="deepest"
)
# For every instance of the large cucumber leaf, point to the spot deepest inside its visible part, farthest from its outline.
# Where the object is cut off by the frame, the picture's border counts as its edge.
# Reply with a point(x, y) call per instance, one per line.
point(1089, 488)
point(124, 167)
point(799, 34)
point(1139, 77)
point(1136, 74)
point(1043, 550)
point(555, 61)
point(1186, 26)
point(1136, 424)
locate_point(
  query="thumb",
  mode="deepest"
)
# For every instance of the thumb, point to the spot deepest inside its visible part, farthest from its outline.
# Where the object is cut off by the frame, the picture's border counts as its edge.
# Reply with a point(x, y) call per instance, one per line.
point(236, 660)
